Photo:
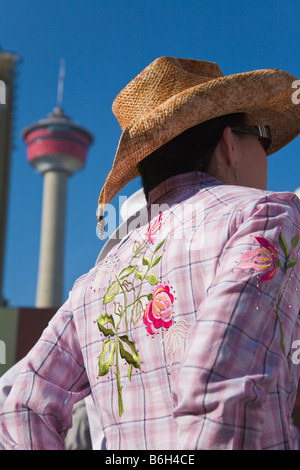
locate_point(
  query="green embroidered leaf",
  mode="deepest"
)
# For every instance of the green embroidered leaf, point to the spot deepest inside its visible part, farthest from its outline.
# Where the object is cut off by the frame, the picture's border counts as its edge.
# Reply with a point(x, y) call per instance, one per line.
point(152, 279)
point(278, 263)
point(156, 261)
point(139, 275)
point(159, 246)
point(150, 296)
point(295, 241)
point(129, 372)
point(146, 261)
point(103, 320)
point(135, 249)
point(127, 271)
point(136, 311)
point(104, 366)
point(111, 292)
point(292, 263)
point(129, 358)
point(118, 309)
point(283, 244)
point(127, 285)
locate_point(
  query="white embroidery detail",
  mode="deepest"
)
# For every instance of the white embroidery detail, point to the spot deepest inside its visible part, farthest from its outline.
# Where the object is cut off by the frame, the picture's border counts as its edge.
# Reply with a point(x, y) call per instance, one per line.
point(104, 274)
point(174, 340)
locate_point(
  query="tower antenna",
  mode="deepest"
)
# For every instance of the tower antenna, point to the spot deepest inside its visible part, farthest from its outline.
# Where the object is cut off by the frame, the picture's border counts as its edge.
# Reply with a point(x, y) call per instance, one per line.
point(60, 86)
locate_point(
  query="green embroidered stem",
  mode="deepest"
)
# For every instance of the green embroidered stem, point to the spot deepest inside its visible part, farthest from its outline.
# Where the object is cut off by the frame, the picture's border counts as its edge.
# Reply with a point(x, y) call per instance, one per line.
point(125, 307)
point(288, 264)
point(115, 344)
point(120, 398)
point(138, 252)
point(137, 299)
point(152, 278)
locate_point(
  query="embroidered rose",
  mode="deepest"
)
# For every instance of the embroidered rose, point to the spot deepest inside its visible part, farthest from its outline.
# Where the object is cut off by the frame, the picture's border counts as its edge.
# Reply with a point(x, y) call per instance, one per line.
point(153, 228)
point(158, 311)
point(265, 260)
point(262, 259)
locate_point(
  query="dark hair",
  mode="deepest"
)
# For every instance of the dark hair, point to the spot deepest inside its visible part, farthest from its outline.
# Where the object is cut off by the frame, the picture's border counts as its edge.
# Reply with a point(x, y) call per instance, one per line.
point(190, 151)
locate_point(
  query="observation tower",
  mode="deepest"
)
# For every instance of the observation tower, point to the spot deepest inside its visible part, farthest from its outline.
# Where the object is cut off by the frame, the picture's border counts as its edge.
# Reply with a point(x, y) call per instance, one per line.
point(56, 148)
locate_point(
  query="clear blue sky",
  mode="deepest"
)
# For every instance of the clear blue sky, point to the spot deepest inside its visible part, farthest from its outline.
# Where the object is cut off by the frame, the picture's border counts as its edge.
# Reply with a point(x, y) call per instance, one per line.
point(105, 44)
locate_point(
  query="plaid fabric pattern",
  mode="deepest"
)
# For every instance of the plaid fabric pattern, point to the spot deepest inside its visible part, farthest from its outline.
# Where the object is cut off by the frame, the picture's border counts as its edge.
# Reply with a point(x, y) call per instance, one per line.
point(223, 375)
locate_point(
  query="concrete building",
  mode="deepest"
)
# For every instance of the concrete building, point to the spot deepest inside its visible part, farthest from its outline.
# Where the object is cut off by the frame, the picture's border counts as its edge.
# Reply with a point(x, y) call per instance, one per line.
point(8, 62)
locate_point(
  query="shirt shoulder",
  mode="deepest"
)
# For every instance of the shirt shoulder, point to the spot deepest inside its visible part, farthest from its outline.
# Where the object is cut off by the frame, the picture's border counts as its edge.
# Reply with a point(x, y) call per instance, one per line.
point(251, 200)
point(78, 290)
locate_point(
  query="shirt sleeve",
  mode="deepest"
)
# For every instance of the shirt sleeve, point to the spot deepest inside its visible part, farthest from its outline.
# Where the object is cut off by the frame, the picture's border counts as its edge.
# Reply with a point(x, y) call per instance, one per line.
point(238, 351)
point(38, 411)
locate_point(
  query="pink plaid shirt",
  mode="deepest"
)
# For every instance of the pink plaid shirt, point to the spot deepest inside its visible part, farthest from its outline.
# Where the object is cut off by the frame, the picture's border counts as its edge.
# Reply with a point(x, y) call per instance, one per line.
point(185, 335)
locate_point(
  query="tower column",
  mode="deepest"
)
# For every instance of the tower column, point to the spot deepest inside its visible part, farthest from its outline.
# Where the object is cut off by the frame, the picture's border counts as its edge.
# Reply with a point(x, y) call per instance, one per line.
point(56, 148)
point(51, 260)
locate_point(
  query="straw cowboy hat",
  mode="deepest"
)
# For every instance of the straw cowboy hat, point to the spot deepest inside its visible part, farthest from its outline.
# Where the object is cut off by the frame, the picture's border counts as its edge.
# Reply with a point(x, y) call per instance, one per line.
point(171, 95)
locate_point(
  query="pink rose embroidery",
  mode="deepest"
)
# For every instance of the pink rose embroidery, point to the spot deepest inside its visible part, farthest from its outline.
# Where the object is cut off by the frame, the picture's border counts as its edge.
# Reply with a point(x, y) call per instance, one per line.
point(261, 260)
point(158, 310)
point(153, 228)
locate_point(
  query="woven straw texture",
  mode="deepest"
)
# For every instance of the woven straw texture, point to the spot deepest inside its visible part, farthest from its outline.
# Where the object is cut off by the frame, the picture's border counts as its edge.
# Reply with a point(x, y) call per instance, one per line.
point(171, 95)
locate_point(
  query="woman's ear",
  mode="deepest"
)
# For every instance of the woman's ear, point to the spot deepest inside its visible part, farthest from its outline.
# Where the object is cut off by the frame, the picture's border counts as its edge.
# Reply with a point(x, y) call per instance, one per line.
point(226, 148)
point(224, 159)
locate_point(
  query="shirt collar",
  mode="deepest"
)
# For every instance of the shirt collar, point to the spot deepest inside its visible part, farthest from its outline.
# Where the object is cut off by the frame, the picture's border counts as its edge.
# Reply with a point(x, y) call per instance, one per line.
point(190, 182)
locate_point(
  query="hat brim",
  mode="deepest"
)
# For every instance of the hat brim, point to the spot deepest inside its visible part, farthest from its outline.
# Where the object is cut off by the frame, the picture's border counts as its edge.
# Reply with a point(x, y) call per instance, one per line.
point(266, 95)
